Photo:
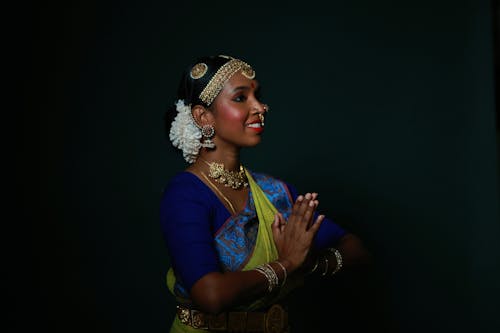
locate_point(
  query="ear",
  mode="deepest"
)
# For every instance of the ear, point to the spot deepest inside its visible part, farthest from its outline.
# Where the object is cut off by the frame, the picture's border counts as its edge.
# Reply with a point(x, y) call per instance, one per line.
point(202, 115)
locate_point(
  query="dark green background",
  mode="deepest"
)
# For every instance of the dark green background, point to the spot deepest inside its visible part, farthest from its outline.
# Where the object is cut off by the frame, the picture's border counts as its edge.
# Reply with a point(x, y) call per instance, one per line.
point(386, 108)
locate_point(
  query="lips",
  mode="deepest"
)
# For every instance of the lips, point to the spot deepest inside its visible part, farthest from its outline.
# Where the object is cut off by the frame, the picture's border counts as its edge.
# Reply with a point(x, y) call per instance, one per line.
point(256, 126)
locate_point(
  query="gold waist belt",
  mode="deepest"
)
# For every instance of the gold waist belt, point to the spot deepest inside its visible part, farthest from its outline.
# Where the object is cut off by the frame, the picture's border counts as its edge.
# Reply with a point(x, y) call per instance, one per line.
point(274, 320)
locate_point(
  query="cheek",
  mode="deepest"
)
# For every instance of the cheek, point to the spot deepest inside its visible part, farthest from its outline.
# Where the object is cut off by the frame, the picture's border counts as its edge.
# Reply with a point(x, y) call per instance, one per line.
point(233, 118)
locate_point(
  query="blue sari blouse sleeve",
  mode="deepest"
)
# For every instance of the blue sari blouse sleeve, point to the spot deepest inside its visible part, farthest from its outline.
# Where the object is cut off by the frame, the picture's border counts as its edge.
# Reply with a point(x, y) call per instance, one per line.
point(329, 232)
point(185, 215)
point(189, 215)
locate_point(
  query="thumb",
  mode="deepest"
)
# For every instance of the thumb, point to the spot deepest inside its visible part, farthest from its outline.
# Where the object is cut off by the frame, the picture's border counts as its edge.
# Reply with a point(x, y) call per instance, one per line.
point(276, 225)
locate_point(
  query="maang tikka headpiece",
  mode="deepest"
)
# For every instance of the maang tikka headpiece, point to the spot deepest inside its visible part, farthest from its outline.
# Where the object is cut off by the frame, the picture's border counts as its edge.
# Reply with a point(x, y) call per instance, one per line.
point(224, 73)
point(185, 133)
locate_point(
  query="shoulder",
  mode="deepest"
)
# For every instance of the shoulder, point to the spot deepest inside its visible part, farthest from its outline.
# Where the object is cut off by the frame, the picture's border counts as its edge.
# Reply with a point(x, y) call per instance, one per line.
point(181, 179)
point(185, 200)
point(185, 185)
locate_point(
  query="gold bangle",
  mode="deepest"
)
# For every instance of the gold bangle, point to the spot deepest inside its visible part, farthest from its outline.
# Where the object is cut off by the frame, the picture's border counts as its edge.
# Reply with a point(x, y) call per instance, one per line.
point(326, 268)
point(338, 257)
point(284, 272)
point(268, 278)
point(270, 274)
point(316, 263)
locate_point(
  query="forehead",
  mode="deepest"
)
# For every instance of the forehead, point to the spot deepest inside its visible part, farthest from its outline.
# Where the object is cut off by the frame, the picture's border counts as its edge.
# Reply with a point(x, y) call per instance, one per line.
point(239, 80)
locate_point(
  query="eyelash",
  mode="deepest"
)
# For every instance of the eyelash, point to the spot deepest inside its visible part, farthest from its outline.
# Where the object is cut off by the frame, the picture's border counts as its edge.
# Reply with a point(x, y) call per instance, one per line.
point(257, 96)
point(237, 98)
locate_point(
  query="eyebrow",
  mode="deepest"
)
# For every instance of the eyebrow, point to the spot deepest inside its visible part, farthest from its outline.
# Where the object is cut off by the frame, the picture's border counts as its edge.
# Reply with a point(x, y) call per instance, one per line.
point(245, 88)
point(241, 88)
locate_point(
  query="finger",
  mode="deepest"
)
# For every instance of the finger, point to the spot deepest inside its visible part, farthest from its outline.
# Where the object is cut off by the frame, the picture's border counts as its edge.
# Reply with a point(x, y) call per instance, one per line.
point(305, 210)
point(309, 213)
point(311, 219)
point(304, 206)
point(276, 221)
point(296, 206)
point(282, 222)
point(281, 218)
point(276, 225)
point(314, 195)
point(315, 227)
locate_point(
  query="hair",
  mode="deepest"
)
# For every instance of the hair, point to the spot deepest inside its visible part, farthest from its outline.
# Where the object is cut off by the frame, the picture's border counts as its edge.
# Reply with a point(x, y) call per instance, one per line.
point(190, 89)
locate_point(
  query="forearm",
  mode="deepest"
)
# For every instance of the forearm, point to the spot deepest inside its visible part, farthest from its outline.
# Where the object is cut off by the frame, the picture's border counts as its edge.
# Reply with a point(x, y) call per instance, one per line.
point(354, 254)
point(351, 255)
point(217, 292)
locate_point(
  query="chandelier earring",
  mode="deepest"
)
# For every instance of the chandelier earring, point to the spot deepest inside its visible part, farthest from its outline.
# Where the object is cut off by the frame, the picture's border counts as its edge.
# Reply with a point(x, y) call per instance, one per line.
point(208, 132)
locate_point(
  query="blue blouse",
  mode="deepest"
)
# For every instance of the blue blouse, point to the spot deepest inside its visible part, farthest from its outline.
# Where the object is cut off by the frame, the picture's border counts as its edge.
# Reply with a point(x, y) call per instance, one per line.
point(191, 214)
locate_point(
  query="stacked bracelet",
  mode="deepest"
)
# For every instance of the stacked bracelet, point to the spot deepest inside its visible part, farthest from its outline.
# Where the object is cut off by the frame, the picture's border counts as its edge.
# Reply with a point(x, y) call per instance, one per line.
point(326, 267)
point(284, 273)
point(316, 263)
point(338, 257)
point(271, 276)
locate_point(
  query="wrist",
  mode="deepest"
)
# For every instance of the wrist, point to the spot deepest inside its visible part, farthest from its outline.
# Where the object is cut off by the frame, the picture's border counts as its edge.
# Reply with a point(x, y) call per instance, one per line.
point(288, 265)
point(283, 272)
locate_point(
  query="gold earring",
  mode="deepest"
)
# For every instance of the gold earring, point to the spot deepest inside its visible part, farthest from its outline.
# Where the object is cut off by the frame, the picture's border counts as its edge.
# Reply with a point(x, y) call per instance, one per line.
point(208, 131)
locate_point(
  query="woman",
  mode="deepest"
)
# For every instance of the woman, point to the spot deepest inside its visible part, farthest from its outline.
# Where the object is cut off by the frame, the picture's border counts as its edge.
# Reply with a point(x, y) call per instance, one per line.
point(239, 241)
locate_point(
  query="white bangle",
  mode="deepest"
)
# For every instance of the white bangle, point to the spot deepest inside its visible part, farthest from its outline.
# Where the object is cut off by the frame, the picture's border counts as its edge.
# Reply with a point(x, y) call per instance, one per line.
point(284, 272)
point(326, 268)
point(316, 263)
point(338, 257)
point(270, 274)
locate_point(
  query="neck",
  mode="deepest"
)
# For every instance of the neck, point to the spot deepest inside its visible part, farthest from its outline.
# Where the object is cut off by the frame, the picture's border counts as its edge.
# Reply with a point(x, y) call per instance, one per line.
point(230, 159)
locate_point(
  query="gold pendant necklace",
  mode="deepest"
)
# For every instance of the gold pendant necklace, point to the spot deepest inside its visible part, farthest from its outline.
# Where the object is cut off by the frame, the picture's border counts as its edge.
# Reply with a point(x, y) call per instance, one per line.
point(228, 178)
point(233, 211)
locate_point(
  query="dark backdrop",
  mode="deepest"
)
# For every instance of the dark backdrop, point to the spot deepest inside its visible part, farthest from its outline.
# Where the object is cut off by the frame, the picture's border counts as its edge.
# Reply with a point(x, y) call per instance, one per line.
point(386, 108)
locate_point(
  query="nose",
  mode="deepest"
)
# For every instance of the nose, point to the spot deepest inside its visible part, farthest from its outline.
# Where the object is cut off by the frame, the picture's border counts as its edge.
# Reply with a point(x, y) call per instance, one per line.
point(260, 108)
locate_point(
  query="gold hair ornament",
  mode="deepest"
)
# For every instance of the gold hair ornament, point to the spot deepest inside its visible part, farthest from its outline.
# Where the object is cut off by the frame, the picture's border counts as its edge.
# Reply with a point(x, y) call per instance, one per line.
point(198, 71)
point(224, 73)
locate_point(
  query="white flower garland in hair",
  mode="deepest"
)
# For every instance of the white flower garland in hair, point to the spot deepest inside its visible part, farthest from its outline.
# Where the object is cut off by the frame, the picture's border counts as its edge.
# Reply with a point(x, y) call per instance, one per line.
point(184, 134)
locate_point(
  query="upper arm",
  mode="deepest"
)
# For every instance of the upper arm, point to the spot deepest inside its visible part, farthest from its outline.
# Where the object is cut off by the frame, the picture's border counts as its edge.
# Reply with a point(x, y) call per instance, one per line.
point(186, 227)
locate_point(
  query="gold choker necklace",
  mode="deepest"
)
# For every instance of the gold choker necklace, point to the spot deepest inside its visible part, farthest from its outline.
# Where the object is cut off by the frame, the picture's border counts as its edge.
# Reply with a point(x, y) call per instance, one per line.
point(232, 179)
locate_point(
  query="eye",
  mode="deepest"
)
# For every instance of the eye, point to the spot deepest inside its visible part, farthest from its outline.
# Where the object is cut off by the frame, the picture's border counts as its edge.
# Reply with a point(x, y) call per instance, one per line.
point(240, 98)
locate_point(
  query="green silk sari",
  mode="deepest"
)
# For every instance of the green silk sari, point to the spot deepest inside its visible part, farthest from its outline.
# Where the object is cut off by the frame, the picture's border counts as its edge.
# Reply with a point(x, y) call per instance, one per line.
point(264, 250)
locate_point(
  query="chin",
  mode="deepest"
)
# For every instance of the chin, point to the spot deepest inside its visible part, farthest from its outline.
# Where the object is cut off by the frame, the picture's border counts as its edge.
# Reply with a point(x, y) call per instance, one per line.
point(254, 142)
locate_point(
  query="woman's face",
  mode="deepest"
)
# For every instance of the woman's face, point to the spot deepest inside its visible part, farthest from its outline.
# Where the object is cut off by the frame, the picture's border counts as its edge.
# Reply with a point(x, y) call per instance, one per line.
point(236, 113)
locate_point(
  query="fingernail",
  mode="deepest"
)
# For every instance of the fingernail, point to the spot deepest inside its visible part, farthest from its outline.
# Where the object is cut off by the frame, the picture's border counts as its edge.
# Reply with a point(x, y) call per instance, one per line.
point(308, 196)
point(311, 203)
point(300, 198)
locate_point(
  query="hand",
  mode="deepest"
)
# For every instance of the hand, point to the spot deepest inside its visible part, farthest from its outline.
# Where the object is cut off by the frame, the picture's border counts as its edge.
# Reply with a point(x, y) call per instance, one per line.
point(293, 238)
